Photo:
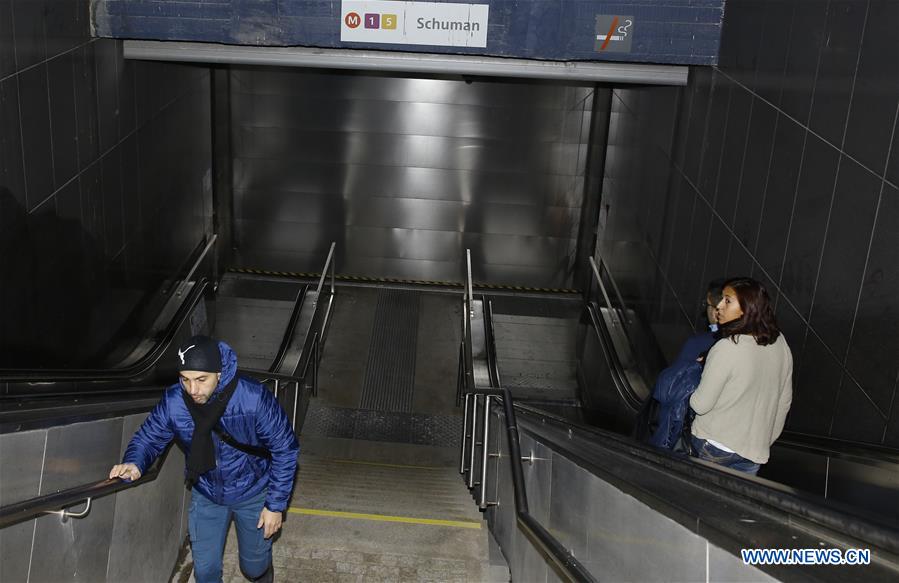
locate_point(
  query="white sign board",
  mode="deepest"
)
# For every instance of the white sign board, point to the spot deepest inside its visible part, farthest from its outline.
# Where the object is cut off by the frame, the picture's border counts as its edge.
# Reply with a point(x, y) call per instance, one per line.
point(414, 23)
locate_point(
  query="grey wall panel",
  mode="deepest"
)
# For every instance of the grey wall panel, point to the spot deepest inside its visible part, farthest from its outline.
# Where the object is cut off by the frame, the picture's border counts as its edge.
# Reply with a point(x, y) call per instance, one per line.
point(265, 185)
point(501, 516)
point(15, 551)
point(148, 518)
point(77, 550)
point(568, 516)
point(21, 460)
point(726, 568)
point(423, 151)
point(404, 118)
point(538, 482)
point(374, 162)
point(623, 532)
point(869, 486)
point(312, 84)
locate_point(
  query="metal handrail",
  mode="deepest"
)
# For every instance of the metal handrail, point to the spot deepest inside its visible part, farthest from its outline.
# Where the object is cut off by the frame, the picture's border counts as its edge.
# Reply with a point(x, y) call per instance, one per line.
point(58, 502)
point(544, 540)
point(137, 369)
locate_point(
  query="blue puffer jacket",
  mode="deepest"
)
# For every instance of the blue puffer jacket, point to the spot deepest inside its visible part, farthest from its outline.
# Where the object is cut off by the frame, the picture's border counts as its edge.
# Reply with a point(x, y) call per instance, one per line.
point(672, 390)
point(252, 417)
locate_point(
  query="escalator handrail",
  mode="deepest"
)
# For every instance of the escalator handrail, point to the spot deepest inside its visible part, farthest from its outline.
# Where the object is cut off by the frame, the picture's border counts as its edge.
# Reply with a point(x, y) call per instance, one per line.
point(622, 383)
point(287, 339)
point(783, 498)
point(263, 375)
point(492, 359)
point(39, 505)
point(138, 369)
point(594, 267)
point(839, 447)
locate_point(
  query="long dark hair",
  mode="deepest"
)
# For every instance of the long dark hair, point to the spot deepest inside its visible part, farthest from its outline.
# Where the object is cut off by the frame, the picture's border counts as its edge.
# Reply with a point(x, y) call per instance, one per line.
point(758, 318)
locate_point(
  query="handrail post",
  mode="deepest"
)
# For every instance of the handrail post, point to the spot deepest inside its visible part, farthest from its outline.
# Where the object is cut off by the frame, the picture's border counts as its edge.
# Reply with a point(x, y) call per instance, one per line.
point(296, 400)
point(474, 435)
point(316, 354)
point(321, 280)
point(469, 283)
point(460, 378)
point(482, 500)
point(464, 435)
point(332, 271)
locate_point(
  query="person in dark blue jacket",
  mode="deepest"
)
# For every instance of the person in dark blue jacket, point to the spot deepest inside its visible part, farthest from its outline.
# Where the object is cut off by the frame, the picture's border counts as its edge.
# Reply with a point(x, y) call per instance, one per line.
point(240, 451)
point(671, 393)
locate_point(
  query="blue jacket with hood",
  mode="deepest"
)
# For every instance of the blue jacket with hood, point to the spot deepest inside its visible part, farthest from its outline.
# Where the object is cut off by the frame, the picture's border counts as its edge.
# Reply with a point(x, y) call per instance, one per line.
point(253, 417)
point(672, 390)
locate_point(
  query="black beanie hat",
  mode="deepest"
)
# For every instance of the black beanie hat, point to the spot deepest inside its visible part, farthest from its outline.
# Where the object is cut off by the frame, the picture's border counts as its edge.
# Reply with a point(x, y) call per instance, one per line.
point(200, 353)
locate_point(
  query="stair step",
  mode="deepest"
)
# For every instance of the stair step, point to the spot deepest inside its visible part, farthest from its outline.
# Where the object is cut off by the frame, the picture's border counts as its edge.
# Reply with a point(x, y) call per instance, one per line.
point(387, 489)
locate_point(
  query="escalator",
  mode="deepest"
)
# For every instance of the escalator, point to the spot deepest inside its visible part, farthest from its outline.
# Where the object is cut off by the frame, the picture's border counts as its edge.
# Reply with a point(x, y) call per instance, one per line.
point(591, 503)
point(61, 430)
point(863, 476)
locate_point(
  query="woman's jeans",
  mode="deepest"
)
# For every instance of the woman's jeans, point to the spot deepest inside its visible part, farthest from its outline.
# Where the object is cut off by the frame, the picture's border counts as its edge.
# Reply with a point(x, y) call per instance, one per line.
point(208, 523)
point(706, 451)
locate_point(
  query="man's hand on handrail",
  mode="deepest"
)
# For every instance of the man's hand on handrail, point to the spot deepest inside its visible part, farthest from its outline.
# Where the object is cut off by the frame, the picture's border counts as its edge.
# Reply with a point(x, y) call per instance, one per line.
point(125, 471)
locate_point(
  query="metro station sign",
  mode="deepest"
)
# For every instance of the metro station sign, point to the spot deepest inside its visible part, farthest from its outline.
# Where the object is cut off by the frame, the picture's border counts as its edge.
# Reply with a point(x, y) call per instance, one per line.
point(414, 23)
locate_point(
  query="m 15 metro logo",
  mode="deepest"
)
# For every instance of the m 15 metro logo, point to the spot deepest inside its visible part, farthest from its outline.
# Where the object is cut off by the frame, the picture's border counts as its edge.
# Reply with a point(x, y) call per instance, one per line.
point(371, 20)
point(414, 23)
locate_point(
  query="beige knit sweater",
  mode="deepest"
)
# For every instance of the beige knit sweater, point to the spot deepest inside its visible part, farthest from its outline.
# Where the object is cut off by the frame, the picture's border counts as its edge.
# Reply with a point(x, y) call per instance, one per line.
point(745, 393)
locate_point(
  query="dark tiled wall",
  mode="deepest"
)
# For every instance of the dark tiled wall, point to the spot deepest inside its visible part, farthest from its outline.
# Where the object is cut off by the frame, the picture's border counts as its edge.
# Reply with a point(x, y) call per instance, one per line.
point(782, 163)
point(103, 176)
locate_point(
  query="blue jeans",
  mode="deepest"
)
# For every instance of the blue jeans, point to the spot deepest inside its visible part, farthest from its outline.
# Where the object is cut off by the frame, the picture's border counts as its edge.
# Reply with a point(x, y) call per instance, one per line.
point(208, 523)
point(706, 451)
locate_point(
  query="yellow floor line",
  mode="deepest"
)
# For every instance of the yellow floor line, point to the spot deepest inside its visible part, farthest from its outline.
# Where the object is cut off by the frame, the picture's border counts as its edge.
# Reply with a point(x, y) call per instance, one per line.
point(383, 465)
point(386, 518)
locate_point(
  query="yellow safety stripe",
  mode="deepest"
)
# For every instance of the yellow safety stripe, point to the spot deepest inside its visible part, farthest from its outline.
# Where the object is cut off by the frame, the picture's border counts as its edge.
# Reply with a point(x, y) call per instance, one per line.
point(345, 277)
point(386, 518)
point(383, 465)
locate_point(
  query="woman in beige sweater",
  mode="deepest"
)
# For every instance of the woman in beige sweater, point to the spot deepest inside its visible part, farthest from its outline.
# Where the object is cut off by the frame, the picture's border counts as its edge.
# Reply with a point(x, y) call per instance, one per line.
point(747, 384)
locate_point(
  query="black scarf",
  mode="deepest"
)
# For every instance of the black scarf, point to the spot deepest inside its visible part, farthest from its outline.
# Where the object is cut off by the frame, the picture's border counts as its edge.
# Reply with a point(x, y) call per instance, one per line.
point(201, 458)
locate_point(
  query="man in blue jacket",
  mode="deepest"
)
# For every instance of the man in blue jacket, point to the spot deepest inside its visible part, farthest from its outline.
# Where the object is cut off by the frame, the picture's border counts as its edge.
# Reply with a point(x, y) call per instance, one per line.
point(669, 404)
point(241, 457)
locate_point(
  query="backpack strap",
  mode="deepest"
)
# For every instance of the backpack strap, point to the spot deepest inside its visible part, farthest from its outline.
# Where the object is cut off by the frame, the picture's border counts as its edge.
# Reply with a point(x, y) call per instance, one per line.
point(249, 449)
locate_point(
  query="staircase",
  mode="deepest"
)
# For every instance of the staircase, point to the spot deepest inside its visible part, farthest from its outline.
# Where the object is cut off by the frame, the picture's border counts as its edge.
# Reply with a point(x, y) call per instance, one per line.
point(359, 520)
